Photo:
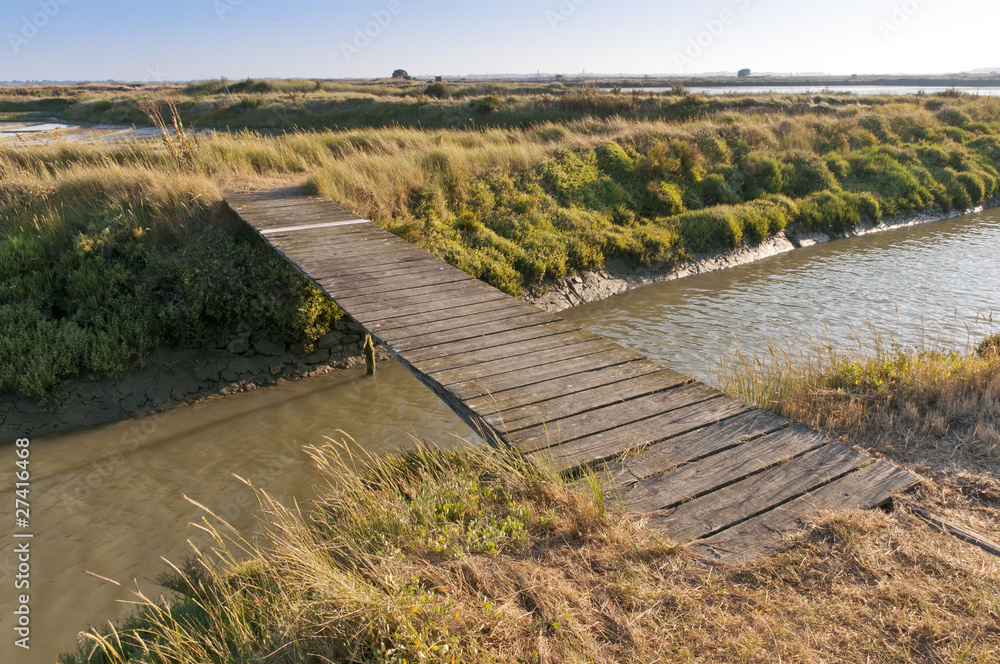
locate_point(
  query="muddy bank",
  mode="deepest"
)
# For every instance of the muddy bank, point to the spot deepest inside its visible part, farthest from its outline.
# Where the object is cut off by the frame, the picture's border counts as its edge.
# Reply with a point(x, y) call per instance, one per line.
point(242, 360)
point(246, 359)
point(617, 277)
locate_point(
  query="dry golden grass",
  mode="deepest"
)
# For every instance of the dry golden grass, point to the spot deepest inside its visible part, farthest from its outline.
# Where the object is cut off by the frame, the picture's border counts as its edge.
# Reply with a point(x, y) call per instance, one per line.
point(389, 565)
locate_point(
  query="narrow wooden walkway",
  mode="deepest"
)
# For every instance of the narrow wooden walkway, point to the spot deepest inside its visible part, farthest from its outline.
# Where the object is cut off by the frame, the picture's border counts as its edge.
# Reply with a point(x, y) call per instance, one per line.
point(704, 466)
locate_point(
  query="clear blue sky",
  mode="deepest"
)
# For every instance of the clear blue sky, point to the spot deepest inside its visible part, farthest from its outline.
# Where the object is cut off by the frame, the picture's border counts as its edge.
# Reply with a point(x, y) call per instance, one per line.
point(196, 39)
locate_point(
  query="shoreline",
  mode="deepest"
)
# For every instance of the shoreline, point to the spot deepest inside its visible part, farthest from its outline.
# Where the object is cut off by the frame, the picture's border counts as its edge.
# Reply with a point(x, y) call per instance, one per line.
point(616, 277)
point(240, 361)
point(178, 376)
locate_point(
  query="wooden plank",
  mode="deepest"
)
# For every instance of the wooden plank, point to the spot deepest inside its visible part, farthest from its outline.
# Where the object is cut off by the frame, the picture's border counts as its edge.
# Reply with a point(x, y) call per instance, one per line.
point(276, 194)
point(556, 405)
point(383, 264)
point(610, 444)
point(480, 326)
point(362, 304)
point(766, 533)
point(334, 267)
point(290, 204)
point(962, 533)
point(486, 356)
point(268, 220)
point(451, 377)
point(377, 286)
point(587, 378)
point(611, 418)
point(344, 239)
point(307, 252)
point(409, 312)
point(459, 318)
point(516, 337)
point(460, 327)
point(391, 271)
point(667, 454)
point(331, 268)
point(692, 479)
point(350, 249)
point(488, 387)
point(306, 215)
point(715, 511)
point(306, 243)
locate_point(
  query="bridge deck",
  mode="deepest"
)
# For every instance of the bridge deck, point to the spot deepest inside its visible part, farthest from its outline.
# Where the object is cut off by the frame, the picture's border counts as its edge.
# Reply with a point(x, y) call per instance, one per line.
point(704, 466)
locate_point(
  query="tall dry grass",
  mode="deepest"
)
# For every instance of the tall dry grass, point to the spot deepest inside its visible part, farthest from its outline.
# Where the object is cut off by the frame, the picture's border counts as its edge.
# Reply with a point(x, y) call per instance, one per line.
point(475, 556)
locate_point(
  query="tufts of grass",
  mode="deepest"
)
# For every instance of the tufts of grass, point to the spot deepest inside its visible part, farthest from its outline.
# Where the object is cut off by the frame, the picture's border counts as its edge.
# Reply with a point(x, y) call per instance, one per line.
point(109, 251)
point(937, 411)
point(477, 556)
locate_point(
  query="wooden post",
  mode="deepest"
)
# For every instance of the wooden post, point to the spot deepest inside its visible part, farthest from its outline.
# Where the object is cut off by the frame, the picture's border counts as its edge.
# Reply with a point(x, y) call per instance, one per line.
point(370, 354)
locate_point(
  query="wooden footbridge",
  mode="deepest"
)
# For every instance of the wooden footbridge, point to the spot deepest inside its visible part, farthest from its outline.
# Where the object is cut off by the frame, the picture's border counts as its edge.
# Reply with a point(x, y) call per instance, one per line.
point(705, 467)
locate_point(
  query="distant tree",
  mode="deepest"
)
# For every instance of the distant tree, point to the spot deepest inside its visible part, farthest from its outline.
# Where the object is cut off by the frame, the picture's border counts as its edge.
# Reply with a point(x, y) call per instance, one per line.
point(401, 73)
point(743, 73)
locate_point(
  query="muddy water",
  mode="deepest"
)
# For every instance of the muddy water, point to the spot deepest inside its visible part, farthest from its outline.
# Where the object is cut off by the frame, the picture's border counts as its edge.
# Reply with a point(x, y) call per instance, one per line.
point(110, 501)
point(936, 282)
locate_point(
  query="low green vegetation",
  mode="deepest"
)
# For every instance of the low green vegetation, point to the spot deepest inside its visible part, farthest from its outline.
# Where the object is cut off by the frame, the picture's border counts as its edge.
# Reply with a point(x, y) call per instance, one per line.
point(522, 208)
point(109, 251)
point(105, 257)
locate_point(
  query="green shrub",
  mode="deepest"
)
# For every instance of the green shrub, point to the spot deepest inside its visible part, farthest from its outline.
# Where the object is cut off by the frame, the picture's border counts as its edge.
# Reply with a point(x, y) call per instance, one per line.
point(830, 212)
point(879, 127)
point(713, 190)
point(973, 186)
point(715, 150)
point(486, 105)
point(762, 175)
point(956, 134)
point(670, 196)
point(896, 187)
point(954, 117)
point(438, 90)
point(838, 165)
point(805, 174)
point(710, 229)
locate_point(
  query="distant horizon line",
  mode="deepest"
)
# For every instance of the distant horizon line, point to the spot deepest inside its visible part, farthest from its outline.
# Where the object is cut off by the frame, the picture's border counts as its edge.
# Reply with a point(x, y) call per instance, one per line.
point(985, 71)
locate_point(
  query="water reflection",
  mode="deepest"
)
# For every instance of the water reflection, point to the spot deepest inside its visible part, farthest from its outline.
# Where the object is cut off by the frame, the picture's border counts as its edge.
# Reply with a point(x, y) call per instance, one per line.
point(111, 500)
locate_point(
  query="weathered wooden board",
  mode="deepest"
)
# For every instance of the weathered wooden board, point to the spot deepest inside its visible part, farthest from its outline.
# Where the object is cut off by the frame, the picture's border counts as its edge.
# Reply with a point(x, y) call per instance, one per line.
point(516, 338)
point(609, 445)
point(753, 495)
point(564, 368)
point(767, 533)
point(614, 417)
point(702, 464)
point(548, 340)
point(713, 472)
point(485, 326)
point(593, 376)
point(667, 454)
point(467, 315)
point(521, 363)
point(557, 405)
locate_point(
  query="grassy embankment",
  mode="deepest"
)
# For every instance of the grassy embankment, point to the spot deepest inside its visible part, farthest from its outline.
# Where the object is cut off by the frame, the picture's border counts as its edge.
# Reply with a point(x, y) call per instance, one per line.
point(475, 557)
point(110, 251)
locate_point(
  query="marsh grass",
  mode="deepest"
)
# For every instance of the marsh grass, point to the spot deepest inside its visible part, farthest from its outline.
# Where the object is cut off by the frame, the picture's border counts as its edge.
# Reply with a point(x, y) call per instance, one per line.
point(474, 555)
point(109, 251)
point(932, 409)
